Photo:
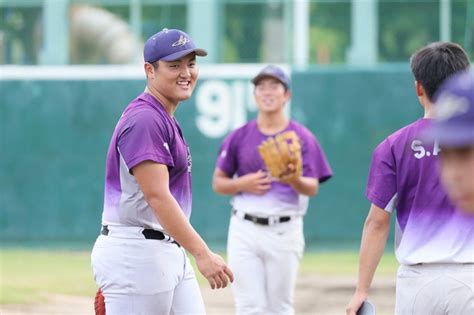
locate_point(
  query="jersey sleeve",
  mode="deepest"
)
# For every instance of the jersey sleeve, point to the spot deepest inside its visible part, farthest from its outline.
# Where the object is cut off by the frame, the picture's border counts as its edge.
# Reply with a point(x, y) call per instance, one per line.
point(145, 137)
point(227, 156)
point(382, 182)
point(315, 163)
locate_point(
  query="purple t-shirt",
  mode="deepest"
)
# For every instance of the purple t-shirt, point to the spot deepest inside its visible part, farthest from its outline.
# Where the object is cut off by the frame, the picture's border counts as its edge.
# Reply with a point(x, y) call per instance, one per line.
point(144, 132)
point(239, 156)
point(404, 176)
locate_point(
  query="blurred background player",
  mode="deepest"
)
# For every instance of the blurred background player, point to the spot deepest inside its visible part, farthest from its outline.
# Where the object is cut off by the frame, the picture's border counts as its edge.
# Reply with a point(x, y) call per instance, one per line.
point(453, 129)
point(265, 240)
point(433, 241)
point(138, 261)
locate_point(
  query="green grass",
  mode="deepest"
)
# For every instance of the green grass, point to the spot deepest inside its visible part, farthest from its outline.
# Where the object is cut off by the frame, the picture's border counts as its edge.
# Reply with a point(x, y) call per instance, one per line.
point(28, 276)
point(343, 263)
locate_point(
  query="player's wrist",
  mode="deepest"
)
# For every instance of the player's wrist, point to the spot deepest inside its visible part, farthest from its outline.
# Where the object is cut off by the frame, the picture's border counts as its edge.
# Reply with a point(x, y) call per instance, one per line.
point(362, 290)
point(200, 252)
point(196, 246)
point(291, 180)
point(239, 184)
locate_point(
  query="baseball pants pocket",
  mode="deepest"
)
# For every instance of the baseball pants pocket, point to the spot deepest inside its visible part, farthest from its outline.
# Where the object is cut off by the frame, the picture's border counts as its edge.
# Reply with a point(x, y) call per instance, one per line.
point(283, 254)
point(187, 298)
point(434, 289)
point(265, 262)
point(134, 266)
point(289, 237)
point(248, 268)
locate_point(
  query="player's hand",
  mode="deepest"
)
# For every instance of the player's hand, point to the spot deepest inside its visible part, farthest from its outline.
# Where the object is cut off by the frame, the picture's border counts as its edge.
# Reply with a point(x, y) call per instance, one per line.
point(291, 174)
point(214, 269)
point(256, 183)
point(357, 299)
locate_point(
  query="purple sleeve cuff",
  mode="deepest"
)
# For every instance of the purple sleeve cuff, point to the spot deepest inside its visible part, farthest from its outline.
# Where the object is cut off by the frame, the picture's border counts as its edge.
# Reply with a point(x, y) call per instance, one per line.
point(150, 157)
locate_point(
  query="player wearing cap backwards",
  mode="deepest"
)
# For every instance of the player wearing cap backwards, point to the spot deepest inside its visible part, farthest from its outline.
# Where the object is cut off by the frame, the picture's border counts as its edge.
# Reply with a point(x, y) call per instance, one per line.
point(453, 129)
point(433, 241)
point(265, 241)
point(138, 260)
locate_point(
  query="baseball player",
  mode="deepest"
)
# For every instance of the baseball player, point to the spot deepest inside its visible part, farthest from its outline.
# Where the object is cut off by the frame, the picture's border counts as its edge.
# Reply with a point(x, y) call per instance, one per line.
point(433, 240)
point(265, 240)
point(453, 129)
point(139, 260)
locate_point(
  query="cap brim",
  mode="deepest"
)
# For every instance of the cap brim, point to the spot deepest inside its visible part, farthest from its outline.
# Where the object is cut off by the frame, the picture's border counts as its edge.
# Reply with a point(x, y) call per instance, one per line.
point(267, 75)
point(450, 137)
point(180, 54)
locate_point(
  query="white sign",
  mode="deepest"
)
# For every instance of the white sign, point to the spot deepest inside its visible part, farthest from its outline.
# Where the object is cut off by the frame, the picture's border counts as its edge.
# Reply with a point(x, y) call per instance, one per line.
point(223, 106)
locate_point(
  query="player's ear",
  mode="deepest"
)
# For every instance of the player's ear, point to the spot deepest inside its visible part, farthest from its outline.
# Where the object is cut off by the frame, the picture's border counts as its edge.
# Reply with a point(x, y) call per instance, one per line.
point(149, 70)
point(420, 91)
point(287, 95)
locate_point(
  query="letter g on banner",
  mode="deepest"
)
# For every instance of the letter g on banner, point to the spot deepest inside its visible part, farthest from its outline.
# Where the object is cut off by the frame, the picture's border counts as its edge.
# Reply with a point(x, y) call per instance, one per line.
point(214, 103)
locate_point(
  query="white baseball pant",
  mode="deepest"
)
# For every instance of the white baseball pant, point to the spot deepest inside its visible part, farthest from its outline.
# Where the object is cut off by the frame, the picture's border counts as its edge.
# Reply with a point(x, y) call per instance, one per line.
point(265, 261)
point(144, 276)
point(435, 289)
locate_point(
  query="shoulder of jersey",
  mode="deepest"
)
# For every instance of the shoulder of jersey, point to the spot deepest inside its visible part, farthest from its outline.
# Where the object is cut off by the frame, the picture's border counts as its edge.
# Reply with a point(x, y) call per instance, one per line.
point(400, 133)
point(301, 129)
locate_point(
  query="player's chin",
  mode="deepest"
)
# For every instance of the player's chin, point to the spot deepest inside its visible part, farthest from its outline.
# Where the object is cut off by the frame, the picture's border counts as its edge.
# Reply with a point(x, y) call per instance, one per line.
point(184, 94)
point(269, 109)
point(467, 206)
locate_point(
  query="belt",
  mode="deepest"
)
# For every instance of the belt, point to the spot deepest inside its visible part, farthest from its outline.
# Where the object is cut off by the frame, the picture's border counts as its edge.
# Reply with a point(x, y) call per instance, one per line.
point(147, 233)
point(263, 221)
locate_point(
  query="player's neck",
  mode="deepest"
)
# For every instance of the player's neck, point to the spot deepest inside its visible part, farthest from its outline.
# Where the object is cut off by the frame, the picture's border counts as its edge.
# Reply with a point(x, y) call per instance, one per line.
point(428, 113)
point(425, 102)
point(271, 123)
point(169, 108)
point(428, 108)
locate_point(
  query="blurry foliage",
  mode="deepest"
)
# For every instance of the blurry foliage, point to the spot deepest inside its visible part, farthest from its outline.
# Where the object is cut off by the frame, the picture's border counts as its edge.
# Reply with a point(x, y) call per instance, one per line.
point(230, 52)
point(157, 17)
point(404, 26)
point(20, 35)
point(329, 36)
point(243, 28)
point(463, 24)
point(154, 17)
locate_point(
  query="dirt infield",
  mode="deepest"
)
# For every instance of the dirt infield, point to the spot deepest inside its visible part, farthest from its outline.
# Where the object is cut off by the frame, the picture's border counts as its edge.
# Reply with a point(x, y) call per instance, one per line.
point(315, 294)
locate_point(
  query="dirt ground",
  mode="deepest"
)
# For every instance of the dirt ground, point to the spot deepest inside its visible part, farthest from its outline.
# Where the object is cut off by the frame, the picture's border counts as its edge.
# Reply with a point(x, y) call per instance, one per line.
point(315, 295)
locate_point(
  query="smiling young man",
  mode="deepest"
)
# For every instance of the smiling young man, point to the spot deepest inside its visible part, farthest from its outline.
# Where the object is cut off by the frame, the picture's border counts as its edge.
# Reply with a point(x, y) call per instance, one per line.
point(265, 241)
point(139, 260)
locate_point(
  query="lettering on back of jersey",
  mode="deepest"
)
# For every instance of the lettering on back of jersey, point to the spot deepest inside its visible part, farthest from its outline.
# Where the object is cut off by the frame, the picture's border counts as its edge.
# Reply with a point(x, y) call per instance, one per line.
point(420, 151)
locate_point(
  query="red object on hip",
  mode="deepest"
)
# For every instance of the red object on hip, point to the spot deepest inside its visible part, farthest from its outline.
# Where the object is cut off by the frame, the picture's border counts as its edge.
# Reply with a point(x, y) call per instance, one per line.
point(99, 303)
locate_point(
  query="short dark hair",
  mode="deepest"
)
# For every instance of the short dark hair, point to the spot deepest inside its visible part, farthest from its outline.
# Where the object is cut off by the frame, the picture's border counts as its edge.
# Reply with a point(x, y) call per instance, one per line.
point(434, 63)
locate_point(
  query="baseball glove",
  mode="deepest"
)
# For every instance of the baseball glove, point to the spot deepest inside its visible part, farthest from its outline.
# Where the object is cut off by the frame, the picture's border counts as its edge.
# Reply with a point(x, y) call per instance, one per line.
point(99, 303)
point(282, 156)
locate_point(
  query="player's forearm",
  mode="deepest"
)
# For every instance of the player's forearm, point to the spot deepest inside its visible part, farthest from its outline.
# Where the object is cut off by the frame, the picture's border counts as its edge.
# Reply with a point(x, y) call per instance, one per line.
point(175, 223)
point(305, 185)
point(226, 186)
point(374, 239)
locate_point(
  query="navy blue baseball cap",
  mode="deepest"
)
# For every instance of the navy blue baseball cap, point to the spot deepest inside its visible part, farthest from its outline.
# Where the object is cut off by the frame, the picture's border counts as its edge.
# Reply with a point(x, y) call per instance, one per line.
point(272, 71)
point(170, 45)
point(453, 125)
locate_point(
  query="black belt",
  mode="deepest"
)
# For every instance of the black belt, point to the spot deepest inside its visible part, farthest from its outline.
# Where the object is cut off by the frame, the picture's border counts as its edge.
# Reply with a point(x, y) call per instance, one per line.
point(148, 233)
point(262, 221)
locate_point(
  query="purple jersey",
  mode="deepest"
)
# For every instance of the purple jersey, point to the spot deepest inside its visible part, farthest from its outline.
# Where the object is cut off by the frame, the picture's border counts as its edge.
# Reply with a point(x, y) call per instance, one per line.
point(144, 132)
point(404, 176)
point(239, 156)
